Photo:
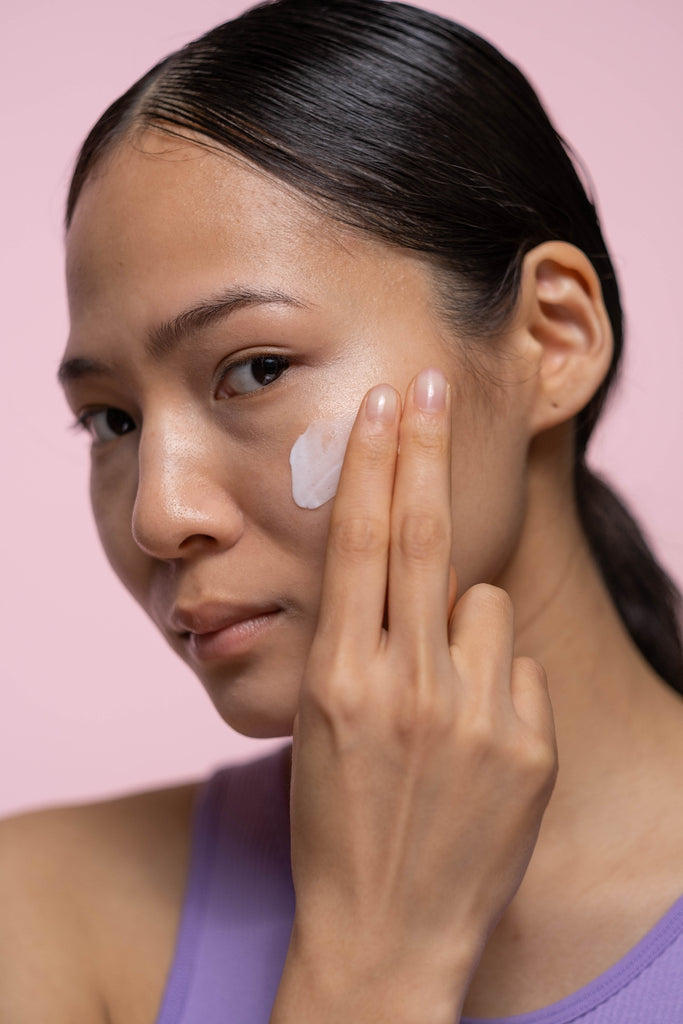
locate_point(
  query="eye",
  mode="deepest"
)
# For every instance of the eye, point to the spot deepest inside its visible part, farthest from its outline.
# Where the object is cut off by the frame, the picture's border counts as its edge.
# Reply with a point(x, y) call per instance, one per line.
point(107, 424)
point(253, 374)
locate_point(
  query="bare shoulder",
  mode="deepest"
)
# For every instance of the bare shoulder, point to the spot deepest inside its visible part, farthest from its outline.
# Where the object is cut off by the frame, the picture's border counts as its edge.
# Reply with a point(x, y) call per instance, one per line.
point(82, 889)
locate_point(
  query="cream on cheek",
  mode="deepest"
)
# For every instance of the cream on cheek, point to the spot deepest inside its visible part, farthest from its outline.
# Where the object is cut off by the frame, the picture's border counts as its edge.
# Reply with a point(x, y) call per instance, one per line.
point(316, 460)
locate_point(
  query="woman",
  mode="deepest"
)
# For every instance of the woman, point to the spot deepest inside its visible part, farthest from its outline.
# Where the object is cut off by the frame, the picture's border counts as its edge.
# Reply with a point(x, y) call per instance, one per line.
point(317, 211)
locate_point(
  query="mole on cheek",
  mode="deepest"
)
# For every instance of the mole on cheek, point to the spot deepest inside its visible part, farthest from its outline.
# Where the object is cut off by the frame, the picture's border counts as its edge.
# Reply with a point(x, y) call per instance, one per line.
point(316, 460)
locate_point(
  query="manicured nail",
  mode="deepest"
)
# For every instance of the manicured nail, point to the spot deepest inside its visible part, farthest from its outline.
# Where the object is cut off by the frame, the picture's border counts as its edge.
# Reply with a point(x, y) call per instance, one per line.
point(430, 390)
point(381, 404)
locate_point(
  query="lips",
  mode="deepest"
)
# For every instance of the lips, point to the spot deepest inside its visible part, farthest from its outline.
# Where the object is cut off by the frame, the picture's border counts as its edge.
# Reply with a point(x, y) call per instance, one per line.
point(213, 616)
point(214, 631)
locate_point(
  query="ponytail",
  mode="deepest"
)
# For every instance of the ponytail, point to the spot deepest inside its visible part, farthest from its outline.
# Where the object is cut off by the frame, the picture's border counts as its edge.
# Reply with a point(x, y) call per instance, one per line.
point(646, 598)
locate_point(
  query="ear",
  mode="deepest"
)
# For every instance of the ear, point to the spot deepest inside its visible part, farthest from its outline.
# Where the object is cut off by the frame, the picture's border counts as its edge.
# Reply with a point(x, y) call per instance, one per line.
point(567, 331)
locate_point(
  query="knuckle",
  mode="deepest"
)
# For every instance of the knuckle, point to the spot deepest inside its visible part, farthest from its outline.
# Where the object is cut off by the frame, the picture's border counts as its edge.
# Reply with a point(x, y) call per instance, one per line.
point(357, 536)
point(333, 694)
point(377, 449)
point(491, 600)
point(542, 758)
point(481, 737)
point(531, 669)
point(422, 536)
point(428, 436)
point(535, 761)
point(423, 716)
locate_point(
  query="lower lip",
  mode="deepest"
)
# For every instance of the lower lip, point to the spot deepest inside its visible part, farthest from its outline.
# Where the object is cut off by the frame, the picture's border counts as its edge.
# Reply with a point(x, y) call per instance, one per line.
point(232, 640)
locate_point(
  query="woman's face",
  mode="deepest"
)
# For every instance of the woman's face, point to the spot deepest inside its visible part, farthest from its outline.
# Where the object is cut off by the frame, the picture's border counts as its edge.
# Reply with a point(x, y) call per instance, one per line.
point(214, 316)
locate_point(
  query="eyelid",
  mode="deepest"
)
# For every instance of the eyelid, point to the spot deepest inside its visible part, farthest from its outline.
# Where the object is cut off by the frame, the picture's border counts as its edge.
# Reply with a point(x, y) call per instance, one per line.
point(232, 365)
point(84, 420)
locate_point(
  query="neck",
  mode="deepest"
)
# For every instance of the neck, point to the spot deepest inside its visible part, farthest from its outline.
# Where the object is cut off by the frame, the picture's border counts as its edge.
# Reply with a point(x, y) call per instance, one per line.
point(616, 721)
point(606, 864)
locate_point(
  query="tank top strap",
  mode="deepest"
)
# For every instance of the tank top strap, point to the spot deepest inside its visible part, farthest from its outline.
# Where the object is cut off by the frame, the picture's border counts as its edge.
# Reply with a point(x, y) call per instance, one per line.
point(239, 900)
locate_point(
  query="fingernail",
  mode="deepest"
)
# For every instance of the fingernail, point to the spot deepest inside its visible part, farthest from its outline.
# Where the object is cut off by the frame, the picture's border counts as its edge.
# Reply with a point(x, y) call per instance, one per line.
point(381, 404)
point(430, 390)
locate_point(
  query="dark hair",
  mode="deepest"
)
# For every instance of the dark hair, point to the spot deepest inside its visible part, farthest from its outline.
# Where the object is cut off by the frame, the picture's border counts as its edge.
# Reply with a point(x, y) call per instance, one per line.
point(415, 129)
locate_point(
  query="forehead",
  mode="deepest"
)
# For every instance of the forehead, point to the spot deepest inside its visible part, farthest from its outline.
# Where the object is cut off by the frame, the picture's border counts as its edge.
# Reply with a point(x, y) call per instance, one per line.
point(164, 220)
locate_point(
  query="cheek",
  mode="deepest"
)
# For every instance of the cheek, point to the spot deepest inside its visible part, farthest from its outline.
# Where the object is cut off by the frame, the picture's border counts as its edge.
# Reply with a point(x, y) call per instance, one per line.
point(298, 469)
point(291, 507)
point(489, 502)
point(112, 507)
point(280, 528)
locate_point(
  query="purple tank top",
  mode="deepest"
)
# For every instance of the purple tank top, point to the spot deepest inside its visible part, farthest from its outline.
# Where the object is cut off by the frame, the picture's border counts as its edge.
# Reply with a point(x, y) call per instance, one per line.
point(239, 903)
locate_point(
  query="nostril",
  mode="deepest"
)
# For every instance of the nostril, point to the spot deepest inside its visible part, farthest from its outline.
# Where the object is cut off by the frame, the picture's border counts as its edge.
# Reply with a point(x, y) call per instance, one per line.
point(183, 505)
point(198, 538)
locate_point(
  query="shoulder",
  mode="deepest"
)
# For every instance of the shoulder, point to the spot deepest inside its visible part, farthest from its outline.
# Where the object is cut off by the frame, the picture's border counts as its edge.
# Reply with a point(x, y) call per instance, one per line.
point(65, 871)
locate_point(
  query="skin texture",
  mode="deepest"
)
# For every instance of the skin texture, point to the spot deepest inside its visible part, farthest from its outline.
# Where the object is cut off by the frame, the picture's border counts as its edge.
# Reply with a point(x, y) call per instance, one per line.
point(207, 488)
point(423, 743)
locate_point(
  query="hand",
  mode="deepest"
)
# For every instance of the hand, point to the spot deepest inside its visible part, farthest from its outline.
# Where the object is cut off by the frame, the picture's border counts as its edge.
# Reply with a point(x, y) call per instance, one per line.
point(424, 753)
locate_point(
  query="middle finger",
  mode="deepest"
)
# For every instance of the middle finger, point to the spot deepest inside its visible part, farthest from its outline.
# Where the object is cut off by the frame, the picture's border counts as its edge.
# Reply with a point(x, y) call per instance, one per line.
point(419, 557)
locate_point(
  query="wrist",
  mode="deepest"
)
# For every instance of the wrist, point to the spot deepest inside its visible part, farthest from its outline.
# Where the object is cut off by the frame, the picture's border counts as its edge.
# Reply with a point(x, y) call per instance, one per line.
point(329, 981)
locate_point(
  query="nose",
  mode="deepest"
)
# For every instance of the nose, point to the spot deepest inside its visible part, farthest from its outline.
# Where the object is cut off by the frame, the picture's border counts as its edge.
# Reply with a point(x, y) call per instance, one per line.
point(182, 502)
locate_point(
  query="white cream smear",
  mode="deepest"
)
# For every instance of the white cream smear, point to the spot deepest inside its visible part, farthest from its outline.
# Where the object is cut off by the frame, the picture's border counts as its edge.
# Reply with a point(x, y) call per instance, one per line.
point(316, 460)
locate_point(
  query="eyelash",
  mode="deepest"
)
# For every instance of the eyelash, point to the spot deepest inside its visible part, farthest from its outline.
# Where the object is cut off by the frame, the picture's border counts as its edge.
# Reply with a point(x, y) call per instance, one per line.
point(282, 362)
point(85, 421)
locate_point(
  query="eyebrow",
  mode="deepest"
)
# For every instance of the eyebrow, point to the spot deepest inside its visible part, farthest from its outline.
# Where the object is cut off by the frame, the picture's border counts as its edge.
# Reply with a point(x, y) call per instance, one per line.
point(164, 338)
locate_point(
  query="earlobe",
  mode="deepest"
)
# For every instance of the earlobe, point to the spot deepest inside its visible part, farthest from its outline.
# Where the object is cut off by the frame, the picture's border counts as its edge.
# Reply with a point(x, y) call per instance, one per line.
point(567, 324)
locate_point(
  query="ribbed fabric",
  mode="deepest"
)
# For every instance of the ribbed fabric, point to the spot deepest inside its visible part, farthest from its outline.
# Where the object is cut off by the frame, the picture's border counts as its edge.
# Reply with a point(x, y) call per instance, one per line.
point(239, 902)
point(644, 987)
point(238, 908)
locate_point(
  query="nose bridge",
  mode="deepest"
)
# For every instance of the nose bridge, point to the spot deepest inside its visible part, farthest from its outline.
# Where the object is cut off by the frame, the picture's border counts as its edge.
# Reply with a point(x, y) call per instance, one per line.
point(182, 491)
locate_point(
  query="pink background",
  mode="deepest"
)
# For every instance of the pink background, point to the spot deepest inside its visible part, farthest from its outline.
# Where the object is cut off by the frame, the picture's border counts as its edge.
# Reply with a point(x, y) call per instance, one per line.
point(92, 702)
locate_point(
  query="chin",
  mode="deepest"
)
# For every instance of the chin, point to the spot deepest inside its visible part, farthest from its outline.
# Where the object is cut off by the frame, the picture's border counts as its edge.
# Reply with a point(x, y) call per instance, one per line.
point(252, 708)
point(256, 725)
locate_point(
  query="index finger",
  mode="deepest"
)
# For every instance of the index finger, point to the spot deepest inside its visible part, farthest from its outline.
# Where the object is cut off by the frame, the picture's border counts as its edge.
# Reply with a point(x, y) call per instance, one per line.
point(355, 575)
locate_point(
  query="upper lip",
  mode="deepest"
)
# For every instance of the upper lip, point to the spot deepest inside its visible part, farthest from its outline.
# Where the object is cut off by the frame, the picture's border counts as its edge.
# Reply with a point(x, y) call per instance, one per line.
point(213, 616)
